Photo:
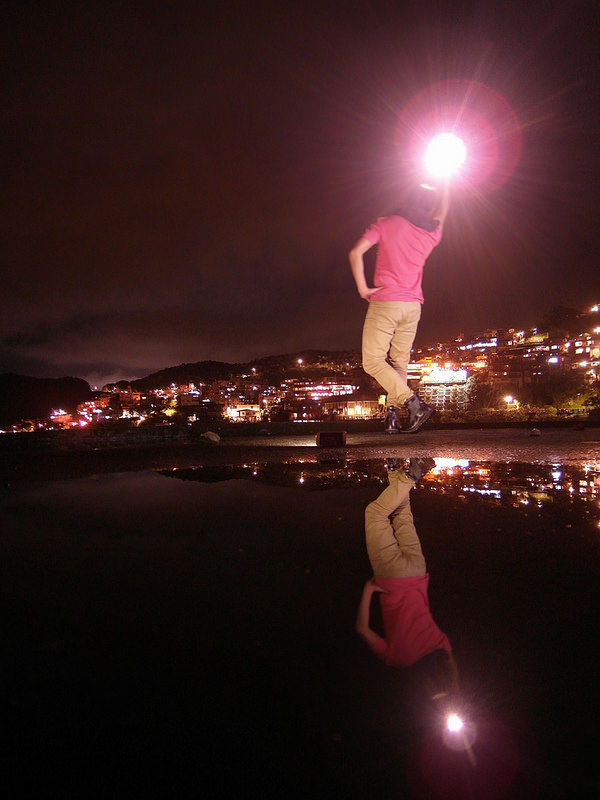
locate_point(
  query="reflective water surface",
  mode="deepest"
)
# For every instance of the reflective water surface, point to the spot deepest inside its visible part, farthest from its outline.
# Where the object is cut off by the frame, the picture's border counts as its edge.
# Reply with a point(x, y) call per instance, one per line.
point(195, 628)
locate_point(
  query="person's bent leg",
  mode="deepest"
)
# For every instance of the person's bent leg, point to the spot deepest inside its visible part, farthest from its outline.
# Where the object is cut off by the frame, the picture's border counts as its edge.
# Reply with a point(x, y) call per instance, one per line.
point(392, 542)
point(418, 411)
point(407, 322)
point(407, 537)
point(378, 333)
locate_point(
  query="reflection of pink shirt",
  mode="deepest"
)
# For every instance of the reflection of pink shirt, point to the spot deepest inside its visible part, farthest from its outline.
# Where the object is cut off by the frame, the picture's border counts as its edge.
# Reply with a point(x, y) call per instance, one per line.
point(402, 251)
point(410, 632)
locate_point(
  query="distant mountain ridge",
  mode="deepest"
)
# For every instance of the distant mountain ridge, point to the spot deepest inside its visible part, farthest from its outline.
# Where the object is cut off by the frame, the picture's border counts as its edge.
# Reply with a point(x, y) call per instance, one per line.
point(198, 372)
point(270, 366)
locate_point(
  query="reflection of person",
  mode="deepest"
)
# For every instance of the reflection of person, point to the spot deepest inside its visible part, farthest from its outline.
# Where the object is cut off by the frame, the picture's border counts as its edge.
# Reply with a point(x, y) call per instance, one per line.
point(400, 579)
point(404, 241)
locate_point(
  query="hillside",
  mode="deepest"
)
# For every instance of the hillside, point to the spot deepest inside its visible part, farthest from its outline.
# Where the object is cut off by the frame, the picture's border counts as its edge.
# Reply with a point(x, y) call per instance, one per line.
point(23, 397)
point(273, 368)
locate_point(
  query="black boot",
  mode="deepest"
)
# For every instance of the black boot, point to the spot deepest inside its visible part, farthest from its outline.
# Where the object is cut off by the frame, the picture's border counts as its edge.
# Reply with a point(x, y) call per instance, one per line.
point(391, 421)
point(417, 467)
point(418, 414)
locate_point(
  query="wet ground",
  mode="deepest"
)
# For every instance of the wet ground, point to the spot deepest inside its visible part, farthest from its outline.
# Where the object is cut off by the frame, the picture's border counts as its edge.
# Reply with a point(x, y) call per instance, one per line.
point(190, 633)
point(560, 445)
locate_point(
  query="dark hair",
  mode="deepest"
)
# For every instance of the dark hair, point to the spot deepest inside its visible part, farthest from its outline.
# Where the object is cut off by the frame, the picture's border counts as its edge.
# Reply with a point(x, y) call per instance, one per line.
point(433, 676)
point(419, 206)
point(427, 689)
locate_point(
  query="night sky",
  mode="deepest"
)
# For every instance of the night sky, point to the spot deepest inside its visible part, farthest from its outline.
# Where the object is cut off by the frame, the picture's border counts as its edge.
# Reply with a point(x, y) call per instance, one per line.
point(182, 184)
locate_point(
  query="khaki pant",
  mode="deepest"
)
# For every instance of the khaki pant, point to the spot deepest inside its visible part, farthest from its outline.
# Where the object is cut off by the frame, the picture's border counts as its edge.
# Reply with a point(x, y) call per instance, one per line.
point(388, 335)
point(392, 542)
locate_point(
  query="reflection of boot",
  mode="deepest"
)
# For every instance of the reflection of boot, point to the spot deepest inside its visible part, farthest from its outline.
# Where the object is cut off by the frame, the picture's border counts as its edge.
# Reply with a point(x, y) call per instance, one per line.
point(418, 467)
point(391, 421)
point(418, 413)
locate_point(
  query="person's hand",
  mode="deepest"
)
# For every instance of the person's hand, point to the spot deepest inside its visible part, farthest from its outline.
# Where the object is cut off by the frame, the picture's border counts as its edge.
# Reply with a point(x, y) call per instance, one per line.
point(367, 293)
point(374, 587)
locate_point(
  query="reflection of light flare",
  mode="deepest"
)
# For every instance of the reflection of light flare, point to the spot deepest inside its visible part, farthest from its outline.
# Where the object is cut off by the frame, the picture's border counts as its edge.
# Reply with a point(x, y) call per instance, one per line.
point(459, 735)
point(444, 463)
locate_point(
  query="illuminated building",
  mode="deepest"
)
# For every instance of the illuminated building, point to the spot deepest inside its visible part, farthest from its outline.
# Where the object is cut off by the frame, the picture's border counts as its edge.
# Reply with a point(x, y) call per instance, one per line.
point(130, 399)
point(61, 419)
point(317, 390)
point(358, 405)
point(522, 358)
point(445, 389)
point(189, 399)
point(92, 410)
point(246, 413)
point(440, 386)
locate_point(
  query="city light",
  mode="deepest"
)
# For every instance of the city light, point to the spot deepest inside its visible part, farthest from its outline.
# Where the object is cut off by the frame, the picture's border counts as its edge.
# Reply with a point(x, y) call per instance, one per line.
point(446, 376)
point(507, 361)
point(445, 155)
point(449, 463)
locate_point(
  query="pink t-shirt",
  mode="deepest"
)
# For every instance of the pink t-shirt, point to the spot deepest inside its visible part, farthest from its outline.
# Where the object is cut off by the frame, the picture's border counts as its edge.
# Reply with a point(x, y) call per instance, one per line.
point(410, 632)
point(401, 255)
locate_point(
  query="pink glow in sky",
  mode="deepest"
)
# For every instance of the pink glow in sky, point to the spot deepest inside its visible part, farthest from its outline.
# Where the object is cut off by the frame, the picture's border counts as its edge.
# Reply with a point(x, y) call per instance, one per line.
point(479, 116)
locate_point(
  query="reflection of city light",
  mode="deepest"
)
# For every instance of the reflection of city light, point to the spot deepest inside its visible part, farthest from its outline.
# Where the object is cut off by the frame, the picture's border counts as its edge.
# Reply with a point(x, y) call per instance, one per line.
point(445, 463)
point(547, 485)
point(445, 376)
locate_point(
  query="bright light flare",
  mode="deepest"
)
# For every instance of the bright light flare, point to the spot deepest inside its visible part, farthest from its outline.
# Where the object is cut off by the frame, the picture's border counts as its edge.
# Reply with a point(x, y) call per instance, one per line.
point(454, 723)
point(459, 735)
point(445, 155)
point(480, 116)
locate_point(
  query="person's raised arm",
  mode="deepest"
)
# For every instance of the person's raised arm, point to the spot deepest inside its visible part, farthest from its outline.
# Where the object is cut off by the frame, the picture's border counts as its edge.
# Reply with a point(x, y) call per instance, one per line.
point(357, 265)
point(363, 615)
point(444, 203)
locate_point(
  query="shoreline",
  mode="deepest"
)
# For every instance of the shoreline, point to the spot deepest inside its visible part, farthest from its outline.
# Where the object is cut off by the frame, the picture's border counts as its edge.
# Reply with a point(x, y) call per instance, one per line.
point(63, 462)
